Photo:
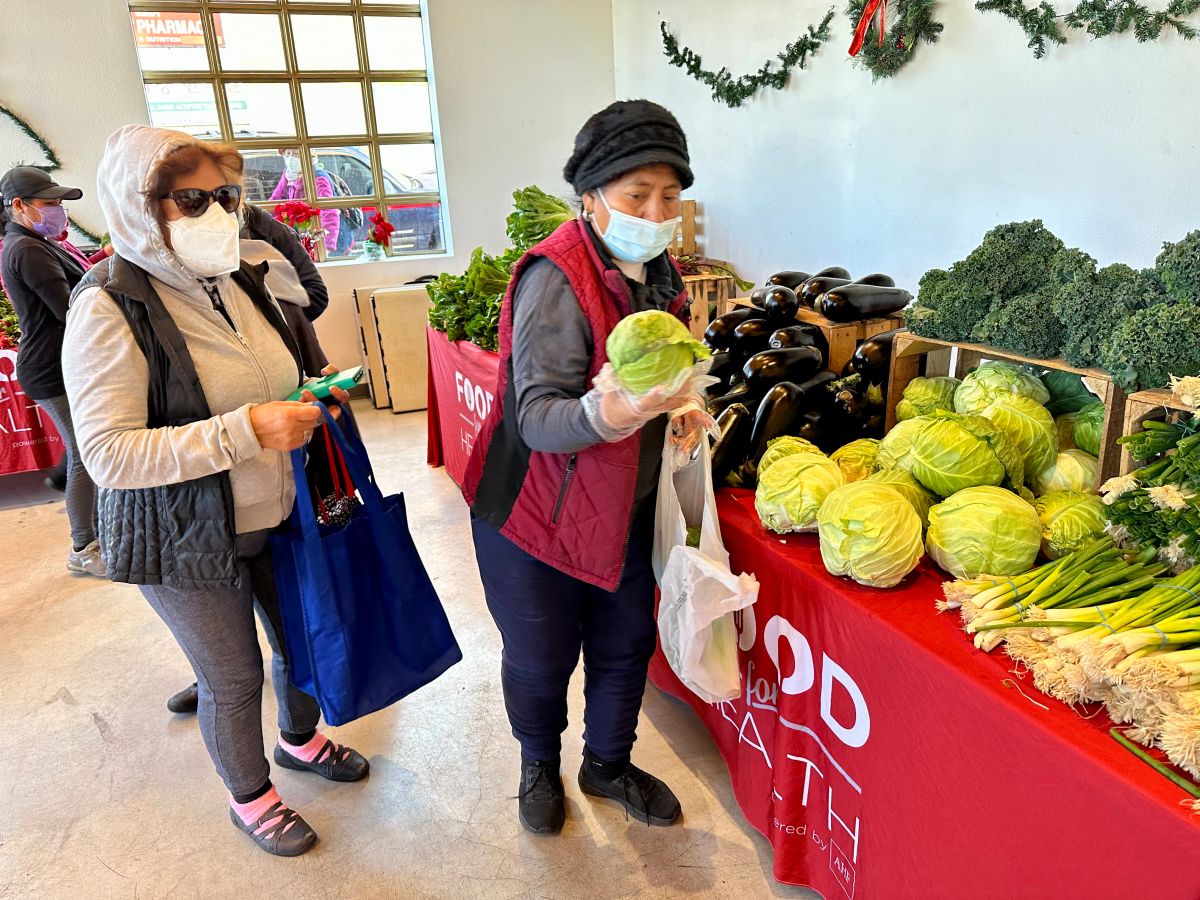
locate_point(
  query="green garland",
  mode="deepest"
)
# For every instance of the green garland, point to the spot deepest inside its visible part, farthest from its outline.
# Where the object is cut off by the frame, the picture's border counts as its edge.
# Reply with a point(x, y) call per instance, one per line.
point(733, 91)
point(1099, 18)
point(26, 129)
point(914, 25)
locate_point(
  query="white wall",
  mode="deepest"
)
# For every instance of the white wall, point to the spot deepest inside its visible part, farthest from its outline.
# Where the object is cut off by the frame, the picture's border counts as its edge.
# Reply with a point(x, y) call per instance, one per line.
point(1101, 139)
point(514, 78)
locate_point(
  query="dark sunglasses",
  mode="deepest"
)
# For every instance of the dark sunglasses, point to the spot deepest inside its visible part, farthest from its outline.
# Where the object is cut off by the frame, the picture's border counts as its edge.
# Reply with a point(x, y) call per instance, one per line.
point(192, 202)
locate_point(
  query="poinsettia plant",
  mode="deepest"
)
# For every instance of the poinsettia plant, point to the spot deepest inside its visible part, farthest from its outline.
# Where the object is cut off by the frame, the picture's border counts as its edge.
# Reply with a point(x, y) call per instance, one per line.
point(381, 230)
point(300, 216)
point(10, 330)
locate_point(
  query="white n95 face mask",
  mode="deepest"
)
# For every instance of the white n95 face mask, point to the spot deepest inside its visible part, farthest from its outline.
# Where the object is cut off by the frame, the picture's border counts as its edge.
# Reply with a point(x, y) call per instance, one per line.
point(633, 239)
point(208, 244)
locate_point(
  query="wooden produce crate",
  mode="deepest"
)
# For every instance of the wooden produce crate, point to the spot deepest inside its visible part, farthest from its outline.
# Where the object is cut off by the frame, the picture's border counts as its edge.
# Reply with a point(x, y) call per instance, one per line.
point(910, 350)
point(843, 337)
point(706, 292)
point(684, 242)
point(1144, 406)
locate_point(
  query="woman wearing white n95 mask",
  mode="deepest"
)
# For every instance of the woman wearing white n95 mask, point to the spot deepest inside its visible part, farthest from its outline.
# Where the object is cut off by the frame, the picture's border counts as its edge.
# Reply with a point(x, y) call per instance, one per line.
point(176, 365)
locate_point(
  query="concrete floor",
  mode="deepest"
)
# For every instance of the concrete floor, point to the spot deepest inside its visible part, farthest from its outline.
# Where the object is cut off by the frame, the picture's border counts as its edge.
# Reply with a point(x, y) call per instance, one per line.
point(103, 793)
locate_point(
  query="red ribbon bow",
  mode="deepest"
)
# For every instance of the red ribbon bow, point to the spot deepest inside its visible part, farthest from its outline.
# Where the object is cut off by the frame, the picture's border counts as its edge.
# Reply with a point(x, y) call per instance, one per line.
point(860, 33)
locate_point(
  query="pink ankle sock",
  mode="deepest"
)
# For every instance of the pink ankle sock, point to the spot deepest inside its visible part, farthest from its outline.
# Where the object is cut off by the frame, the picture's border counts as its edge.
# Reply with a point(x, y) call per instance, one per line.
point(250, 812)
point(310, 751)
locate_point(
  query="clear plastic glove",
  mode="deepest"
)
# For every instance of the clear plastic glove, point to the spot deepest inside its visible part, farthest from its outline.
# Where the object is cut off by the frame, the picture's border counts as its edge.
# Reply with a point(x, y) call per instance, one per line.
point(622, 413)
point(690, 424)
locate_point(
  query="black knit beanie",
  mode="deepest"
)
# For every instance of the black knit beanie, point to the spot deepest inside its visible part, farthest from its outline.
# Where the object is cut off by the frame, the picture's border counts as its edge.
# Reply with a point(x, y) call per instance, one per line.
point(625, 136)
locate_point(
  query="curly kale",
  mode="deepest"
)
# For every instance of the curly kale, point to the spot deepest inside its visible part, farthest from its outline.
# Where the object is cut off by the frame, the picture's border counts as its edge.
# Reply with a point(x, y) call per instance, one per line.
point(1070, 265)
point(1013, 259)
point(1155, 343)
point(1091, 309)
point(945, 309)
point(1024, 324)
point(1179, 267)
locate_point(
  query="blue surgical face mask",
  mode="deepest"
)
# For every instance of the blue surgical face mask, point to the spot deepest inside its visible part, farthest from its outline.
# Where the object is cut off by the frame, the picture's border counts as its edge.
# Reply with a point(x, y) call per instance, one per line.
point(633, 239)
point(292, 164)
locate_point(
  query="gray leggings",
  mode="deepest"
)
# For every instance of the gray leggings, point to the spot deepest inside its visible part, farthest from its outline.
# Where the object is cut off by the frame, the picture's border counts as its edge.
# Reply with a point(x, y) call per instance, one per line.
point(81, 492)
point(215, 629)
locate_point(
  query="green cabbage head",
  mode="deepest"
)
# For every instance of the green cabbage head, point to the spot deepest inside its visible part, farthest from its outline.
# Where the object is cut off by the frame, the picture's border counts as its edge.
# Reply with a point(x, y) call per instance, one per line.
point(1029, 426)
point(1069, 520)
point(1072, 470)
point(921, 499)
point(894, 449)
point(870, 532)
point(780, 447)
point(1065, 426)
point(1088, 425)
point(792, 490)
point(857, 458)
point(953, 452)
point(984, 531)
point(652, 348)
point(924, 395)
point(980, 389)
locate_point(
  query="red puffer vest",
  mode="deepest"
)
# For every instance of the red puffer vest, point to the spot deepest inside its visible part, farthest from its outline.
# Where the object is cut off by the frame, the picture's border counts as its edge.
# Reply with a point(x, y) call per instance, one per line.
point(571, 511)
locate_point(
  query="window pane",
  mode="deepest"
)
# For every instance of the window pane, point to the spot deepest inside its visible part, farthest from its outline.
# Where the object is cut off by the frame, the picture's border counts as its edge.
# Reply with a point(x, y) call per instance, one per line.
point(260, 110)
point(324, 43)
point(394, 42)
point(263, 176)
point(333, 108)
point(169, 41)
point(418, 227)
point(184, 107)
point(408, 168)
point(348, 170)
point(402, 107)
point(249, 43)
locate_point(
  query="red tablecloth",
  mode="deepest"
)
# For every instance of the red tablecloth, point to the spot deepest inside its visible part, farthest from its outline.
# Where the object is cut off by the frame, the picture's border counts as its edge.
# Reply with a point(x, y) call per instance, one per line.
point(462, 384)
point(884, 757)
point(28, 439)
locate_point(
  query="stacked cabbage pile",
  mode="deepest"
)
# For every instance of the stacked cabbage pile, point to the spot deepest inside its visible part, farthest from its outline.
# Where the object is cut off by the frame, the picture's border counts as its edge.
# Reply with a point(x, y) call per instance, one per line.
point(978, 473)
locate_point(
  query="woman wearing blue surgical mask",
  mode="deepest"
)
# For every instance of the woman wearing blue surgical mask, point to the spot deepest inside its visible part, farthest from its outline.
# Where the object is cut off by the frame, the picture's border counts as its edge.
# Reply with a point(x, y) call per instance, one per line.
point(39, 271)
point(562, 479)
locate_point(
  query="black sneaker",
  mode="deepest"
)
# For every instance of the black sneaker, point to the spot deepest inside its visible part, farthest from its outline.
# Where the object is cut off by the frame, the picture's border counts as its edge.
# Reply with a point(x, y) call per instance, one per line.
point(541, 808)
point(641, 794)
point(185, 701)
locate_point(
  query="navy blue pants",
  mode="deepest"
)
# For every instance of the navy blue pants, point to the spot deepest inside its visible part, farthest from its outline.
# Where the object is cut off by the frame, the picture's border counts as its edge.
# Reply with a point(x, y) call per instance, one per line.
point(545, 617)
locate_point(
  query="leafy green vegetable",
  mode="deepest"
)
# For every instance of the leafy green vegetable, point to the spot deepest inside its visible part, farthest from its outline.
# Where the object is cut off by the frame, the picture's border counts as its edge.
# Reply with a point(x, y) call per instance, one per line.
point(896, 447)
point(1065, 426)
point(1030, 428)
point(952, 452)
point(1072, 470)
point(992, 379)
point(945, 309)
point(1068, 393)
point(1179, 267)
point(462, 314)
point(1069, 520)
point(923, 395)
point(1153, 344)
point(1088, 425)
point(984, 531)
point(780, 447)
point(912, 490)
point(791, 492)
point(870, 532)
point(535, 217)
point(693, 536)
point(857, 458)
point(1024, 324)
point(1092, 308)
point(652, 348)
point(1012, 259)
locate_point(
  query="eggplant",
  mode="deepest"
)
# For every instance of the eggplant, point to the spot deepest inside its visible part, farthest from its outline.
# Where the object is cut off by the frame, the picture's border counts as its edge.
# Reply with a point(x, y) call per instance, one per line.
point(878, 279)
point(773, 366)
point(778, 413)
point(833, 272)
point(800, 336)
point(816, 286)
point(724, 364)
point(781, 305)
point(818, 426)
point(852, 302)
point(873, 426)
point(719, 335)
point(729, 450)
point(816, 395)
point(758, 297)
point(753, 336)
point(851, 406)
point(791, 280)
point(739, 394)
point(873, 358)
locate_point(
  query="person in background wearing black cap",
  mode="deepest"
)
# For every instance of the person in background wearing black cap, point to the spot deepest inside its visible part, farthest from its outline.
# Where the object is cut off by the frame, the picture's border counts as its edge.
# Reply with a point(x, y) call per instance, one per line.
point(39, 275)
point(562, 480)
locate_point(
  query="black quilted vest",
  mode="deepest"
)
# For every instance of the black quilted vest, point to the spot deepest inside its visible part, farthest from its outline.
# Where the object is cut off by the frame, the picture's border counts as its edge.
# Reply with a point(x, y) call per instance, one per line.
point(179, 535)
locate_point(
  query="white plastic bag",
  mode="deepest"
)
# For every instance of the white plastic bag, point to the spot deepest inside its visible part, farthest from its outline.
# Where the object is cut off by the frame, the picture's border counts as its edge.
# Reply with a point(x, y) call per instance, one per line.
point(699, 592)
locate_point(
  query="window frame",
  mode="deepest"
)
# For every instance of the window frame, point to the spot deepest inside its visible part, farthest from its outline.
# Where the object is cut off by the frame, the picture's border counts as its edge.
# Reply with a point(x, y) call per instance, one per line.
point(217, 77)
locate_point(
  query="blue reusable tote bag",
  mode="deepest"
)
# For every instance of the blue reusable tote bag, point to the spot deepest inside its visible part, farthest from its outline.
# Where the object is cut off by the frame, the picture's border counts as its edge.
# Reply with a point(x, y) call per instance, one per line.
point(362, 623)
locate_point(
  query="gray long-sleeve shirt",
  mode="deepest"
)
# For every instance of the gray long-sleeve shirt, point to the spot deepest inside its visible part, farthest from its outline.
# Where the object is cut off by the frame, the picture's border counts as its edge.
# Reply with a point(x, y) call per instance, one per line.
point(552, 354)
